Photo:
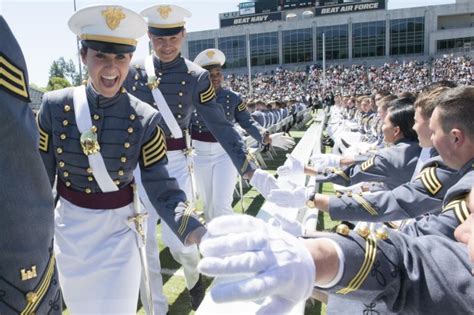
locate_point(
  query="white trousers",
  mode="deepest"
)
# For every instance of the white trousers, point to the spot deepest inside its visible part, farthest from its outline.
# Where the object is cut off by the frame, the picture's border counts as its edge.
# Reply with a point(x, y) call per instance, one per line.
point(97, 258)
point(215, 178)
point(187, 256)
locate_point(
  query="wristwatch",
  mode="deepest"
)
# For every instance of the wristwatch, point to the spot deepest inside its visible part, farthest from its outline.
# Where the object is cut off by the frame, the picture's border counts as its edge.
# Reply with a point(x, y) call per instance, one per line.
point(310, 202)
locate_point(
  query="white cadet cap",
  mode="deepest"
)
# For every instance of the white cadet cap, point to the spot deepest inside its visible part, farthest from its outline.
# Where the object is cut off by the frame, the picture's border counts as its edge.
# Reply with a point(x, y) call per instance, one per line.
point(210, 57)
point(108, 28)
point(165, 19)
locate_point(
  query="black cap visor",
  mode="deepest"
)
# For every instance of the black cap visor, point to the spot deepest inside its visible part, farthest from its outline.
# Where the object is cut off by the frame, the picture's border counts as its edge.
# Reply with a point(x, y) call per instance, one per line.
point(109, 48)
point(210, 67)
point(165, 31)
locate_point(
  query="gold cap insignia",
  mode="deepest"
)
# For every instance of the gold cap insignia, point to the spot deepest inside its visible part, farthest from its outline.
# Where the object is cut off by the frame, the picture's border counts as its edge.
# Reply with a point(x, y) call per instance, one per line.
point(164, 11)
point(113, 16)
point(210, 54)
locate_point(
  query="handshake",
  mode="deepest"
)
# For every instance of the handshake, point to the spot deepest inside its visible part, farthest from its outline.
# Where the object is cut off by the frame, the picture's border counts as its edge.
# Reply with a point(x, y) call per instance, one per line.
point(257, 261)
point(267, 185)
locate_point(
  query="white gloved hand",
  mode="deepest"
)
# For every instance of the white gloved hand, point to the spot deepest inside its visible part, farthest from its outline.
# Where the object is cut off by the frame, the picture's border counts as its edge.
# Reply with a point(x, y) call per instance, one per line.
point(292, 166)
point(290, 198)
point(326, 160)
point(287, 224)
point(263, 182)
point(281, 141)
point(270, 263)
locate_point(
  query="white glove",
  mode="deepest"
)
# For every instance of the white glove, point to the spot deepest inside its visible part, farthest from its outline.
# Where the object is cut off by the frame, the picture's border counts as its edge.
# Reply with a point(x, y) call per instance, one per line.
point(270, 263)
point(292, 166)
point(281, 141)
point(290, 198)
point(263, 182)
point(287, 224)
point(326, 160)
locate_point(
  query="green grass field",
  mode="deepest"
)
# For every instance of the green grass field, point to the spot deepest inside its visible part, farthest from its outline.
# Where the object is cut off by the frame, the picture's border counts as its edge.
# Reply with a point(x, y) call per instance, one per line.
point(174, 285)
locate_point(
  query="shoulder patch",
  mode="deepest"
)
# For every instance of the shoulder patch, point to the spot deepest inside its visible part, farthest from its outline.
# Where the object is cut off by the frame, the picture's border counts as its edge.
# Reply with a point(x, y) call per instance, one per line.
point(241, 107)
point(207, 94)
point(12, 79)
point(459, 206)
point(155, 149)
point(430, 180)
point(367, 164)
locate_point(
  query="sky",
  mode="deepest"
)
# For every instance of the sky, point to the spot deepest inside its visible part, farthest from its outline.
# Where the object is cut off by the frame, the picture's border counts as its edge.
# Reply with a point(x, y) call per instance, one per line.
point(41, 26)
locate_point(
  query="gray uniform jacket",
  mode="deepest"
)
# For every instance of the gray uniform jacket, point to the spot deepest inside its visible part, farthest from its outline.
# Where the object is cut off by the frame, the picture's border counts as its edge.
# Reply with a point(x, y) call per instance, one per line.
point(454, 210)
point(186, 87)
point(421, 270)
point(402, 274)
point(28, 277)
point(128, 134)
point(393, 166)
point(259, 117)
point(235, 111)
point(424, 194)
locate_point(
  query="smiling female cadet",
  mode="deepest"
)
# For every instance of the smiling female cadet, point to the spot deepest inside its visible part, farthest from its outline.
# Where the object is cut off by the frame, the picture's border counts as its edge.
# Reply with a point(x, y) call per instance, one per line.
point(92, 138)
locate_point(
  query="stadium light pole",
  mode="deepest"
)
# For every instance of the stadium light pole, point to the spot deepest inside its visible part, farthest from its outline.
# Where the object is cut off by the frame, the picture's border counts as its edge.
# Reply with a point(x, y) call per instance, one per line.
point(324, 63)
point(249, 65)
point(78, 52)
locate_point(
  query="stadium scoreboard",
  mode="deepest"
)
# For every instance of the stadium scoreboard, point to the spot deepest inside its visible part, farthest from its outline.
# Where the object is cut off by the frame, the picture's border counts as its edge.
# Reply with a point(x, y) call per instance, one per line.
point(294, 4)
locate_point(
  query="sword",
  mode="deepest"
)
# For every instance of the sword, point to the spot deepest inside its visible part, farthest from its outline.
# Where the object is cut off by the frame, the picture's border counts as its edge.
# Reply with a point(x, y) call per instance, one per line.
point(241, 189)
point(188, 152)
point(139, 219)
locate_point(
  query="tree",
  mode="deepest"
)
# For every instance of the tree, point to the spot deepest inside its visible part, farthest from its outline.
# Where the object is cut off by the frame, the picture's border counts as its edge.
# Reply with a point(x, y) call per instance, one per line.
point(56, 83)
point(66, 70)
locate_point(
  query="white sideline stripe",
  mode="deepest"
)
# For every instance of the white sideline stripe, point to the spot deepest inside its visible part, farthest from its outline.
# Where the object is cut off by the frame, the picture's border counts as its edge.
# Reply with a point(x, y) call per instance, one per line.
point(311, 141)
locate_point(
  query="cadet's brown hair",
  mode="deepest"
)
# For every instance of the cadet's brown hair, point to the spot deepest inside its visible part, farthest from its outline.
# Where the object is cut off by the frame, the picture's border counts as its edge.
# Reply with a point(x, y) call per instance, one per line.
point(456, 110)
point(384, 101)
point(428, 100)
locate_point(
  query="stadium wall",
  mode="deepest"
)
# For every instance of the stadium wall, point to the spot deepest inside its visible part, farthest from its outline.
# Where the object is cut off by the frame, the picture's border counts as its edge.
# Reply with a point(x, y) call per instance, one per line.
point(369, 37)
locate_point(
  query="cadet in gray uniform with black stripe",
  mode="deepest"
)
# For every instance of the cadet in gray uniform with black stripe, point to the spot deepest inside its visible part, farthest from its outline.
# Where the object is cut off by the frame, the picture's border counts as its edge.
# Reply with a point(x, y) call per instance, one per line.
point(28, 277)
point(423, 194)
point(382, 271)
point(392, 166)
point(93, 137)
point(178, 87)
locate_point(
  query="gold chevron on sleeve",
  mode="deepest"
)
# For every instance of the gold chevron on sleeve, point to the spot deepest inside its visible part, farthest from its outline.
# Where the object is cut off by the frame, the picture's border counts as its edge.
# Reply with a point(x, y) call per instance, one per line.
point(365, 204)
point(367, 164)
point(12, 78)
point(369, 259)
point(459, 207)
point(207, 95)
point(430, 180)
point(155, 149)
point(43, 140)
point(185, 219)
point(341, 173)
point(241, 107)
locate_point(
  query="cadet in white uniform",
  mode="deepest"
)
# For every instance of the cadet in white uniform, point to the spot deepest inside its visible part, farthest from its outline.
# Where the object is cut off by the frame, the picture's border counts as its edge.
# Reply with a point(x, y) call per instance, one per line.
point(215, 173)
point(93, 137)
point(178, 87)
